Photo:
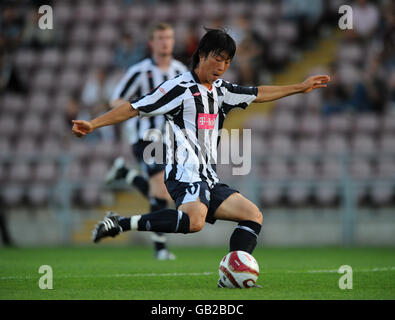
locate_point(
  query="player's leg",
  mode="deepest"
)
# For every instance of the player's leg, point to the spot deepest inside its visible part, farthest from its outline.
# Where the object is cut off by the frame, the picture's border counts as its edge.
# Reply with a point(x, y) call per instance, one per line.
point(189, 217)
point(120, 171)
point(236, 207)
point(159, 199)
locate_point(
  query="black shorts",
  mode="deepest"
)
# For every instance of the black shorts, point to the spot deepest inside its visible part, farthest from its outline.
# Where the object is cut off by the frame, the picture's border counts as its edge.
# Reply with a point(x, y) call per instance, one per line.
point(183, 192)
point(150, 167)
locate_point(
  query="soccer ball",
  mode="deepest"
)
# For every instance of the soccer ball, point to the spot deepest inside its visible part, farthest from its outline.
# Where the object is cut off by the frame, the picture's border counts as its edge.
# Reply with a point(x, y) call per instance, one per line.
point(238, 269)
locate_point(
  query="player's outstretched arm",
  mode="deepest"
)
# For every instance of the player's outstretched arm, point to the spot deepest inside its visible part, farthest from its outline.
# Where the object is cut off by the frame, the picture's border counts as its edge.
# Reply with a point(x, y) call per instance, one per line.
point(270, 93)
point(121, 113)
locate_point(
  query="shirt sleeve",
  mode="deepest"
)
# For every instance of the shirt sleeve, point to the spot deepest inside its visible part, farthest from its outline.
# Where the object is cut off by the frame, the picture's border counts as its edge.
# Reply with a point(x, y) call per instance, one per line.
point(236, 96)
point(165, 98)
point(129, 85)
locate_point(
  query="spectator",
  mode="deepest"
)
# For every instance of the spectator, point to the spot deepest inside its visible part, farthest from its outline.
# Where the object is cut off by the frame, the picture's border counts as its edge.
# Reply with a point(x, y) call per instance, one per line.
point(95, 96)
point(365, 19)
point(9, 78)
point(128, 52)
point(33, 36)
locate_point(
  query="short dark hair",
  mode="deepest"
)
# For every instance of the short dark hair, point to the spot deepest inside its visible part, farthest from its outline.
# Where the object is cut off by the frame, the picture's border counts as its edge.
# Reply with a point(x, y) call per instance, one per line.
point(215, 41)
point(159, 26)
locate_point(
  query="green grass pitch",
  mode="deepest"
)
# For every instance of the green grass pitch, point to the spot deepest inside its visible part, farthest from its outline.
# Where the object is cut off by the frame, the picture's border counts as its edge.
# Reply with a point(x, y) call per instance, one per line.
point(111, 273)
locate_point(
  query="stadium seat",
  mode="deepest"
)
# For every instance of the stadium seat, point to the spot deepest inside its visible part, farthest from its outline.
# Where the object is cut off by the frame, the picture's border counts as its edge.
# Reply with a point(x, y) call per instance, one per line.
point(276, 169)
point(284, 123)
point(45, 172)
point(280, 145)
point(298, 195)
point(309, 146)
point(75, 171)
point(386, 167)
point(360, 168)
point(79, 150)
point(161, 12)
point(20, 172)
point(101, 56)
point(81, 34)
point(57, 126)
point(63, 12)
point(26, 146)
point(90, 196)
point(331, 168)
point(44, 79)
point(12, 194)
point(382, 194)
point(311, 125)
point(325, 194)
point(258, 146)
point(271, 196)
point(289, 104)
point(304, 169)
point(286, 31)
point(51, 58)
point(366, 123)
point(85, 11)
point(8, 126)
point(76, 57)
point(12, 104)
point(70, 80)
point(260, 125)
point(5, 145)
point(387, 143)
point(32, 125)
point(51, 147)
point(96, 170)
point(38, 195)
point(339, 124)
point(25, 59)
point(60, 102)
point(364, 144)
point(3, 173)
point(111, 12)
point(264, 10)
point(39, 103)
point(350, 53)
point(137, 12)
point(106, 35)
point(348, 74)
point(388, 124)
point(335, 144)
point(105, 150)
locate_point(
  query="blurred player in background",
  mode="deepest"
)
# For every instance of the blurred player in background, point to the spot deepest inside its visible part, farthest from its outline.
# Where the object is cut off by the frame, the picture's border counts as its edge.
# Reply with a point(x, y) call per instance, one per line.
point(139, 80)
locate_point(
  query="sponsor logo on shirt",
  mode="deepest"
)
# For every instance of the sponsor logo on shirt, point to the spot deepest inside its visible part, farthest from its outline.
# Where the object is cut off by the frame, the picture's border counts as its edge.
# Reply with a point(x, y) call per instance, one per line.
point(206, 121)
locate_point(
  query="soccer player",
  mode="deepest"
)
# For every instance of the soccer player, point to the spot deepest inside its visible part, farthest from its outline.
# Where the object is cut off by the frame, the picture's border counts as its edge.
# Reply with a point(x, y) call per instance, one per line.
point(139, 80)
point(195, 105)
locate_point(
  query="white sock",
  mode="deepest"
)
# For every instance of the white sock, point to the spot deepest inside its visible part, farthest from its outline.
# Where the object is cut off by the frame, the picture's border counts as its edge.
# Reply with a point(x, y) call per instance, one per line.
point(133, 222)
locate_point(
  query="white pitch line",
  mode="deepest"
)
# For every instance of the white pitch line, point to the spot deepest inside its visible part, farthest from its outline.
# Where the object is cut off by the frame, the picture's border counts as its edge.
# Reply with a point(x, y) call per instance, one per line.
point(376, 269)
point(183, 274)
point(117, 275)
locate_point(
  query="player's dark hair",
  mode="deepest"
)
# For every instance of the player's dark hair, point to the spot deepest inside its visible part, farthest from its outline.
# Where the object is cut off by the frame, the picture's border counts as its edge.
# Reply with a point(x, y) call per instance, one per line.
point(215, 41)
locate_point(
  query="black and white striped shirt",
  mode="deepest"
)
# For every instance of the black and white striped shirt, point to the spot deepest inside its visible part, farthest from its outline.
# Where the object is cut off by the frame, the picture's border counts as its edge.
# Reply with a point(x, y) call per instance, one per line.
point(139, 80)
point(195, 116)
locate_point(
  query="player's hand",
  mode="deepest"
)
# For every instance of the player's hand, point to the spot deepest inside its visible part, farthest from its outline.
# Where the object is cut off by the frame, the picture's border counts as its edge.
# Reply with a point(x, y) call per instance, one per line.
point(81, 128)
point(315, 82)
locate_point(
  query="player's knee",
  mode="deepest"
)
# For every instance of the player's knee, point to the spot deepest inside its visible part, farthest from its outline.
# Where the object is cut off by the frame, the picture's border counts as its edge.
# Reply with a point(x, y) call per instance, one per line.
point(196, 225)
point(255, 215)
point(196, 221)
